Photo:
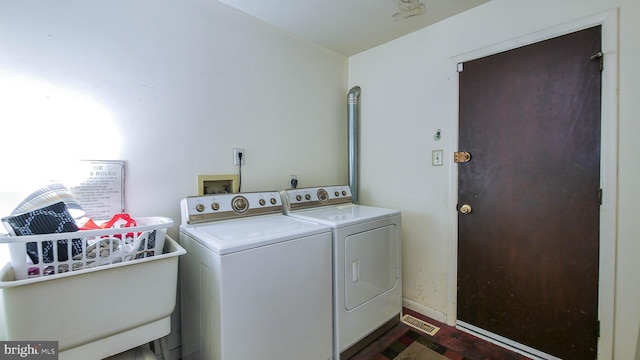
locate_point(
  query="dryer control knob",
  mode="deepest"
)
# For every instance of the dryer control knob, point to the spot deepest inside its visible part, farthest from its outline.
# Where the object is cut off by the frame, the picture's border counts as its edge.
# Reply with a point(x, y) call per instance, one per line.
point(215, 206)
point(199, 208)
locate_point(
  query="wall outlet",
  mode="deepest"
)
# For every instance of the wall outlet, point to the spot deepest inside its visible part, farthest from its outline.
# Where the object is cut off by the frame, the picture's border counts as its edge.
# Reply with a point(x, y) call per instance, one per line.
point(436, 157)
point(238, 156)
point(293, 181)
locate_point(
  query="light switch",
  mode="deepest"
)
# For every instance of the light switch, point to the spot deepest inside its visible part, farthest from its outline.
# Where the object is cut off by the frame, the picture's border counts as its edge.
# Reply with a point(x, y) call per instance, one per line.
point(436, 158)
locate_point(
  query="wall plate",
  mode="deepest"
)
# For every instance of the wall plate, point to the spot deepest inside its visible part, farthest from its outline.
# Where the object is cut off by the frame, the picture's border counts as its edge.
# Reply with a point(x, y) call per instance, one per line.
point(436, 157)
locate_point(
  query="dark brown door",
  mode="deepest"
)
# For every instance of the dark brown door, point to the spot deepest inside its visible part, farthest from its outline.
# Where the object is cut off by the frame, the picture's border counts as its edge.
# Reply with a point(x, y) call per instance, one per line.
point(528, 250)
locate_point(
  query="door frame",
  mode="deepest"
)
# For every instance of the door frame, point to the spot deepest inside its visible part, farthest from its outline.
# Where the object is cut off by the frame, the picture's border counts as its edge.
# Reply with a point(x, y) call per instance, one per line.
point(608, 164)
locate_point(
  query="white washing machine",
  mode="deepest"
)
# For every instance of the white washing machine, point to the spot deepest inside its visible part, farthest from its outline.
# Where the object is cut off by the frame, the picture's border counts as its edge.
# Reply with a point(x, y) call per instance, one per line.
point(366, 262)
point(255, 284)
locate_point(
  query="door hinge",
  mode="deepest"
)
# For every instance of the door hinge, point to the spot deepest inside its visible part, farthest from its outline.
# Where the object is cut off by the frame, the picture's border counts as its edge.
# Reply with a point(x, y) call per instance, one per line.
point(598, 56)
point(461, 157)
point(460, 68)
point(599, 196)
point(598, 327)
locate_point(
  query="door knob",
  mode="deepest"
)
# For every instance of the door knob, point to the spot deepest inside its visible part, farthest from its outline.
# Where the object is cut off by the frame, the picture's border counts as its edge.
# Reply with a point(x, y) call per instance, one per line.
point(465, 209)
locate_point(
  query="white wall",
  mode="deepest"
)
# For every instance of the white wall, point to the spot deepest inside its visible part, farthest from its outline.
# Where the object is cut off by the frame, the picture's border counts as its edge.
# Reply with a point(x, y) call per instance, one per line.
point(409, 90)
point(169, 87)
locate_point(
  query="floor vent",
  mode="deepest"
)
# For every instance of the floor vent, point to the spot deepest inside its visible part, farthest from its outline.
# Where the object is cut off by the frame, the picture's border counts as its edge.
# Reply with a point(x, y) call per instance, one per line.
point(420, 324)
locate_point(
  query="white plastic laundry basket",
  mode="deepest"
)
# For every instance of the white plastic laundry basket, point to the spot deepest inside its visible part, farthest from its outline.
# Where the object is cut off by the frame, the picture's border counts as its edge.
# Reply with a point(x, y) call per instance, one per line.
point(51, 254)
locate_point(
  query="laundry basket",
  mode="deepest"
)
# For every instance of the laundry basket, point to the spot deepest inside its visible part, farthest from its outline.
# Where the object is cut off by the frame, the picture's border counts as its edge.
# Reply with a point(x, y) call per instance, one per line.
point(51, 254)
point(95, 312)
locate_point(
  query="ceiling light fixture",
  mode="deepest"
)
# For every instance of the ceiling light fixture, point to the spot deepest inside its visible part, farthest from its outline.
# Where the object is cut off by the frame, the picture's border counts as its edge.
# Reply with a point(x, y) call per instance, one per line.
point(409, 8)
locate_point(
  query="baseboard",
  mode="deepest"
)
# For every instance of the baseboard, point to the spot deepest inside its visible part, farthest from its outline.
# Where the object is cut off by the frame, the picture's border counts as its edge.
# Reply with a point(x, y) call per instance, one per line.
point(425, 310)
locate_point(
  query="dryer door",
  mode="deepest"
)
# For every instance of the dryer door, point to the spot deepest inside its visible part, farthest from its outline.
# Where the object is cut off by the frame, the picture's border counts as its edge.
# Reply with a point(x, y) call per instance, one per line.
point(371, 264)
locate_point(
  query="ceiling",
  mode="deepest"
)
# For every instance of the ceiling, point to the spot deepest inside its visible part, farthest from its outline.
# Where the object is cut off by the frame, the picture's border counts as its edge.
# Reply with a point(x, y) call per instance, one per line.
point(352, 26)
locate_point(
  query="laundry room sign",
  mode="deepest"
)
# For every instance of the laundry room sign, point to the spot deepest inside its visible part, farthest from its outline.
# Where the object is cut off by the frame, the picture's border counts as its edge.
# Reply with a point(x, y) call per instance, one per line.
point(101, 189)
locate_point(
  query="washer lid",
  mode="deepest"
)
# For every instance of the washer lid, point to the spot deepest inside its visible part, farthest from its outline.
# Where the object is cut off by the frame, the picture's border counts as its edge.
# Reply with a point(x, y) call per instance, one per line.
point(344, 215)
point(225, 237)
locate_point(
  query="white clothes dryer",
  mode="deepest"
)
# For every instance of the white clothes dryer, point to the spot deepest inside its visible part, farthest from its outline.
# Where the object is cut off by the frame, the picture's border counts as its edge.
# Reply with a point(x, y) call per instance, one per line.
point(367, 279)
point(255, 284)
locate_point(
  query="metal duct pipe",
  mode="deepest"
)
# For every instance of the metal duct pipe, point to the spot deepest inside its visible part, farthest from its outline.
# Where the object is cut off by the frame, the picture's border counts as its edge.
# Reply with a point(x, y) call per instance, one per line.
point(353, 119)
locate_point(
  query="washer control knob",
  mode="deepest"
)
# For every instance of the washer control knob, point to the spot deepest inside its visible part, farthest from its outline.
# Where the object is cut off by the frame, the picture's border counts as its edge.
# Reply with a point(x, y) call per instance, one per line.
point(273, 201)
point(323, 195)
point(199, 208)
point(336, 193)
point(240, 204)
point(344, 193)
point(215, 206)
point(298, 197)
point(262, 202)
point(308, 197)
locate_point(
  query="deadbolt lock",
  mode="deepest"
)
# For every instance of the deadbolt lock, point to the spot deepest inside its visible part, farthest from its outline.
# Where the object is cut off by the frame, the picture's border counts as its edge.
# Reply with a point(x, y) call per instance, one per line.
point(465, 209)
point(461, 157)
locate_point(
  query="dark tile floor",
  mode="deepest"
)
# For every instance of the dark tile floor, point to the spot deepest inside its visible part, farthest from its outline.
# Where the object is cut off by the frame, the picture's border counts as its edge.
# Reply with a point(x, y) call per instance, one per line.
point(463, 343)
